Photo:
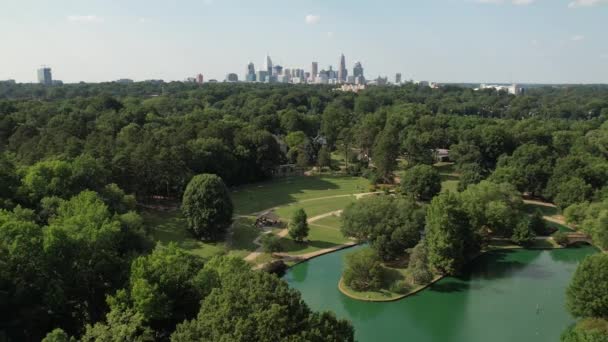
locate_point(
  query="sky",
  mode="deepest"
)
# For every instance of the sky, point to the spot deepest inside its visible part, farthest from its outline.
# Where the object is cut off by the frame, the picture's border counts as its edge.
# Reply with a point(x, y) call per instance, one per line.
point(523, 41)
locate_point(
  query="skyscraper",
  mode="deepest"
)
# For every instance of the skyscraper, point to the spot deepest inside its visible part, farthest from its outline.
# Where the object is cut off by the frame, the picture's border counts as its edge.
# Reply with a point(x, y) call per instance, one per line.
point(358, 70)
point(250, 75)
point(342, 72)
point(315, 70)
point(398, 78)
point(44, 76)
point(268, 65)
point(199, 79)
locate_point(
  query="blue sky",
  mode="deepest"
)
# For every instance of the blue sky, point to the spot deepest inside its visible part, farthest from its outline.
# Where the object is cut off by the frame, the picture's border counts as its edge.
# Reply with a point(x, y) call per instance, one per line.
point(542, 41)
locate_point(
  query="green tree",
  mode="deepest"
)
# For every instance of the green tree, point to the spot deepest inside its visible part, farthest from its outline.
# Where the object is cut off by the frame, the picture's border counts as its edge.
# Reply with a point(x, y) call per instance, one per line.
point(449, 238)
point(587, 330)
point(538, 224)
point(385, 153)
point(233, 312)
point(363, 270)
point(57, 335)
point(523, 234)
point(422, 181)
point(587, 294)
point(391, 225)
point(324, 157)
point(573, 191)
point(271, 243)
point(419, 265)
point(207, 206)
point(298, 226)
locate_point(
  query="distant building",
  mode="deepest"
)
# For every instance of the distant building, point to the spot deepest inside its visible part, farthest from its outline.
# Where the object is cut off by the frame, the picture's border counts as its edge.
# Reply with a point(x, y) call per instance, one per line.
point(124, 81)
point(250, 75)
point(277, 70)
point(268, 65)
point(191, 80)
point(262, 75)
point(353, 88)
point(342, 72)
point(232, 77)
point(45, 76)
point(200, 79)
point(358, 73)
point(314, 71)
point(8, 81)
point(514, 89)
point(398, 78)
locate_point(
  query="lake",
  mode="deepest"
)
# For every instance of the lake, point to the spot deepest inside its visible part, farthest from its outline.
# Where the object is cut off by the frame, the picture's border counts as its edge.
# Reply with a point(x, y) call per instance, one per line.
point(511, 295)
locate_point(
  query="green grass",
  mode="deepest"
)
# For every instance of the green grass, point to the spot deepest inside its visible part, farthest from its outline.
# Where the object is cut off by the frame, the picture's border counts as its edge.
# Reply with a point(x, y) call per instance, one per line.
point(318, 238)
point(560, 227)
point(171, 227)
point(332, 221)
point(315, 207)
point(449, 177)
point(257, 197)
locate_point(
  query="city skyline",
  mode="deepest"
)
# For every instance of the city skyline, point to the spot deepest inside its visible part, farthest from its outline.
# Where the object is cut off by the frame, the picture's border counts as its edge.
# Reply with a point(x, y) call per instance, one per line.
point(531, 41)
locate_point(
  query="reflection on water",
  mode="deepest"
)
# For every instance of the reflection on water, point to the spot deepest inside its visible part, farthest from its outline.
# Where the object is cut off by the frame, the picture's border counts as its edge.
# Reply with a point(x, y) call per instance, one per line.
point(512, 295)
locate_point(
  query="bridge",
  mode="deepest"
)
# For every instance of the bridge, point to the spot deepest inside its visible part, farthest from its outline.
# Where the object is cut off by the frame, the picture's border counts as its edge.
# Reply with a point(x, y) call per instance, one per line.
point(576, 237)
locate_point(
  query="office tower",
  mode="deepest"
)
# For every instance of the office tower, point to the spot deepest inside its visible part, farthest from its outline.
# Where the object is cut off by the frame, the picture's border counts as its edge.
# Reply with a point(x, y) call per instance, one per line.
point(262, 76)
point(232, 77)
point(342, 72)
point(250, 75)
point(44, 76)
point(398, 78)
point(268, 65)
point(277, 70)
point(331, 73)
point(199, 79)
point(315, 70)
point(358, 70)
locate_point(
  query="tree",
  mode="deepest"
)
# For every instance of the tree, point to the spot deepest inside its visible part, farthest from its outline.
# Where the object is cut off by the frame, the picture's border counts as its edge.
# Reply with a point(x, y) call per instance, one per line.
point(298, 226)
point(587, 330)
point(385, 153)
point(207, 206)
point(271, 243)
point(523, 234)
point(449, 238)
point(57, 335)
point(391, 225)
point(538, 224)
point(324, 157)
point(422, 181)
point(363, 270)
point(573, 191)
point(470, 174)
point(587, 294)
point(234, 312)
point(419, 265)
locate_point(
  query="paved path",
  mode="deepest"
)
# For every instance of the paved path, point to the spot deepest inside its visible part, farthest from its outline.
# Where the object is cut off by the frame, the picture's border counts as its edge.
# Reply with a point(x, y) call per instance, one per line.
point(283, 233)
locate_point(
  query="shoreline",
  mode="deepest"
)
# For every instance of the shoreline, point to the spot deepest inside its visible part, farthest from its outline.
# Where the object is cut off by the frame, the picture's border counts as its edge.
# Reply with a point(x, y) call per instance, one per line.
point(347, 292)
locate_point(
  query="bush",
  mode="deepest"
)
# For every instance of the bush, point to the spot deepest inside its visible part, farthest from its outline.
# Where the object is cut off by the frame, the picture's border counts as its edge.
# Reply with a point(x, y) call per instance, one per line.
point(560, 238)
point(271, 243)
point(523, 234)
point(401, 287)
point(363, 270)
point(587, 330)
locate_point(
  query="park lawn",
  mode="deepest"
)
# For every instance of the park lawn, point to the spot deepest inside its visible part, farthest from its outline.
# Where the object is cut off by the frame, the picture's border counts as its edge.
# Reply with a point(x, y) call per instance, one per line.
point(333, 221)
point(171, 227)
point(449, 177)
point(560, 227)
point(318, 238)
point(315, 207)
point(261, 196)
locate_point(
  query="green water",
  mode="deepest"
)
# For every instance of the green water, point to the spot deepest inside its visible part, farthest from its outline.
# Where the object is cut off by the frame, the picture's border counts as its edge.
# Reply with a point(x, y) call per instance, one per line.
point(503, 296)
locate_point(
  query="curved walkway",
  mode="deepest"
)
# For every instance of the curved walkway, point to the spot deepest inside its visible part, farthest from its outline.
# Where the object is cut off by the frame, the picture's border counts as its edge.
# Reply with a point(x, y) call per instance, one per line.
point(283, 233)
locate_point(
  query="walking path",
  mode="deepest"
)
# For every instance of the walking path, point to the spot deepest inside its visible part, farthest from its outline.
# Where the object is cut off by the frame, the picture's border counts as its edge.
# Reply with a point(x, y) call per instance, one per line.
point(283, 233)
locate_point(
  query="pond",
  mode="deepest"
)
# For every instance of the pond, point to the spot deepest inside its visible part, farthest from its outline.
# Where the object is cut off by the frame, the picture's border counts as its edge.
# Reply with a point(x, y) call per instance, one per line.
point(512, 295)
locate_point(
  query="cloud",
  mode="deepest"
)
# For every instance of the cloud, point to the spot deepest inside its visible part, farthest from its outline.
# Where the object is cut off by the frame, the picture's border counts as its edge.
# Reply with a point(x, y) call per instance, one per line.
point(85, 19)
point(586, 3)
point(522, 2)
point(312, 19)
point(577, 38)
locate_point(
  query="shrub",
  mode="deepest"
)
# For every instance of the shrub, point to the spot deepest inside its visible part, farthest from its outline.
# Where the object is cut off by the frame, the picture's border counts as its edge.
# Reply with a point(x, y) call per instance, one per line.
point(401, 287)
point(271, 243)
point(560, 238)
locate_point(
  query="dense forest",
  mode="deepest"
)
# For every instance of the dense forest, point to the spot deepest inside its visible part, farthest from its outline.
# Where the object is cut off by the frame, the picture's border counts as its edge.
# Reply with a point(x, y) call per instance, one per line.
point(77, 159)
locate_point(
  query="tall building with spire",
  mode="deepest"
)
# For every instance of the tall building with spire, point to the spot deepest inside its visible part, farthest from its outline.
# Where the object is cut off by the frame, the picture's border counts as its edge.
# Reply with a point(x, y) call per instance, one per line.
point(342, 72)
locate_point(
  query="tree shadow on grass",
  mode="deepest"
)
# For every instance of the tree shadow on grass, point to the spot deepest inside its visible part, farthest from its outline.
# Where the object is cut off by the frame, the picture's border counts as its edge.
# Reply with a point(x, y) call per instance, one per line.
point(281, 191)
point(291, 246)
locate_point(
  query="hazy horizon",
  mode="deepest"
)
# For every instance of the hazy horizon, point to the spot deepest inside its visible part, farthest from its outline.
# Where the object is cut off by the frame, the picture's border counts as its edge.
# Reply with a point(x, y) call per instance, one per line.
point(447, 41)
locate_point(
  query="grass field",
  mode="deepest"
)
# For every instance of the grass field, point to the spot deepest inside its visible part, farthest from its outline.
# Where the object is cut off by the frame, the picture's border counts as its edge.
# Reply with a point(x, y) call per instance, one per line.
point(318, 238)
point(171, 227)
point(329, 222)
point(257, 197)
point(315, 207)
